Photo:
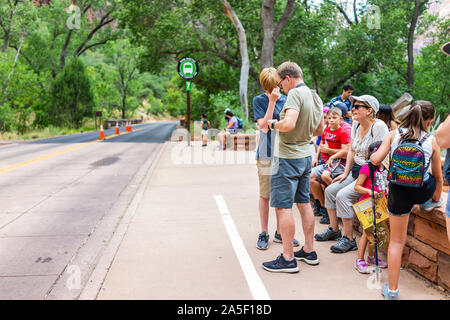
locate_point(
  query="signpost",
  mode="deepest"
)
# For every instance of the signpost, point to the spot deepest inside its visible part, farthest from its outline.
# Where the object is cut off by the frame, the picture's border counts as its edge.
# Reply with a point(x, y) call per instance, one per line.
point(187, 69)
point(98, 114)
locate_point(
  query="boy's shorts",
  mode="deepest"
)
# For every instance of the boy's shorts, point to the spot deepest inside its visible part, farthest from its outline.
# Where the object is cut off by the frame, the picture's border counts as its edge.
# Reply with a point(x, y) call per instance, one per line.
point(336, 170)
point(264, 173)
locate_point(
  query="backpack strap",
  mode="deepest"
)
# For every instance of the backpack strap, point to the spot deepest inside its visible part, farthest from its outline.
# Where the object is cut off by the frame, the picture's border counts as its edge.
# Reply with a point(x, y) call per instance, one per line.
point(425, 137)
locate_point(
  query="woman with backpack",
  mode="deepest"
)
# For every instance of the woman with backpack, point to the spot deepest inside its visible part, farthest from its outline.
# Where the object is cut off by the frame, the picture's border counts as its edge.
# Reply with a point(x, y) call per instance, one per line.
point(413, 151)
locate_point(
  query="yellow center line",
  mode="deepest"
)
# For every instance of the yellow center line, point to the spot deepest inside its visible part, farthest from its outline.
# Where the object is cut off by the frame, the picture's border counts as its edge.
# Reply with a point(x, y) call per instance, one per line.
point(57, 153)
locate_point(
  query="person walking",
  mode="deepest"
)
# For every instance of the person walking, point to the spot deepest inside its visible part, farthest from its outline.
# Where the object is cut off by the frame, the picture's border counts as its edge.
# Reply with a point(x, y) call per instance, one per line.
point(300, 119)
point(341, 194)
point(266, 106)
point(205, 126)
point(405, 193)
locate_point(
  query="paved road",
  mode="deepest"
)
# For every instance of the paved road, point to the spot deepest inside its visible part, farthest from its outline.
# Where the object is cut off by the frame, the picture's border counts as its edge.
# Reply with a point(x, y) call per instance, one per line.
point(61, 200)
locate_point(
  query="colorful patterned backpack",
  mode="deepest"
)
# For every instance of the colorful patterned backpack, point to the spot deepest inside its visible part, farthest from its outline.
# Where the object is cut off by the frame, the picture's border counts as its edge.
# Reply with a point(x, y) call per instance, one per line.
point(407, 165)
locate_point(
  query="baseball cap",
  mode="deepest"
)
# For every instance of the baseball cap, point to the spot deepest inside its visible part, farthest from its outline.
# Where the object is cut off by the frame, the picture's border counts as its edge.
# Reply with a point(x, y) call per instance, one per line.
point(370, 100)
point(341, 106)
point(226, 110)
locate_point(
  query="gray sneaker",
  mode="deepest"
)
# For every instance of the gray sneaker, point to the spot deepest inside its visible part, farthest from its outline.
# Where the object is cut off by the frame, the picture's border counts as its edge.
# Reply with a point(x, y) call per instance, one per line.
point(263, 241)
point(277, 238)
point(344, 245)
point(328, 234)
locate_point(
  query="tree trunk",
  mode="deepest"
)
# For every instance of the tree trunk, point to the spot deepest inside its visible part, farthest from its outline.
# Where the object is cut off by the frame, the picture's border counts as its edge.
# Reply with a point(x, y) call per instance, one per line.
point(5, 89)
point(64, 51)
point(412, 28)
point(245, 67)
point(124, 99)
point(6, 43)
point(271, 32)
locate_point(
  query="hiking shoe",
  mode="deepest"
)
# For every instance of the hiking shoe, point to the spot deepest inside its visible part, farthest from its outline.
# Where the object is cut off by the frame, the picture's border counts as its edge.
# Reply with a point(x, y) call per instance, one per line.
point(316, 208)
point(431, 204)
point(389, 294)
point(361, 266)
point(309, 258)
point(381, 263)
point(344, 245)
point(328, 234)
point(325, 219)
point(263, 241)
point(277, 238)
point(281, 265)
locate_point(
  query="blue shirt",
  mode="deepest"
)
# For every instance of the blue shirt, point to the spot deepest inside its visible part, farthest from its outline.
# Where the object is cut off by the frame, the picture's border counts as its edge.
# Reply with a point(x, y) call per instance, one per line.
point(348, 103)
point(266, 143)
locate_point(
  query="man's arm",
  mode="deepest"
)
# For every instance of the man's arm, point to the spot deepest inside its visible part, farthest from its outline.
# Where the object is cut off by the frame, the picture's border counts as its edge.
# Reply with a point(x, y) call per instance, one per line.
point(288, 123)
point(442, 134)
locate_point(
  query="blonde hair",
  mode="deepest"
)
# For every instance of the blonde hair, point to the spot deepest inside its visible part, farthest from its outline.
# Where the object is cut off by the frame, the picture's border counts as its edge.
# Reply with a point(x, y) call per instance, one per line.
point(291, 69)
point(268, 78)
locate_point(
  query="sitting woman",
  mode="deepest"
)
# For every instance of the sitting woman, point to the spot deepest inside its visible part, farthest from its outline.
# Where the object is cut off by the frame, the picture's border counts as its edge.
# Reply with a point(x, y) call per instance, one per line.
point(231, 128)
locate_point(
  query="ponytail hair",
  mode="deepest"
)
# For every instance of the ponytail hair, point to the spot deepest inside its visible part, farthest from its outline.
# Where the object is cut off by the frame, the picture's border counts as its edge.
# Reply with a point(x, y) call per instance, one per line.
point(414, 121)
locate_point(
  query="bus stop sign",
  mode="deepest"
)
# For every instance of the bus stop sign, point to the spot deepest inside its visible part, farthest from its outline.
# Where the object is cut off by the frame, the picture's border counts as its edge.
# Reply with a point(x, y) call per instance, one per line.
point(187, 68)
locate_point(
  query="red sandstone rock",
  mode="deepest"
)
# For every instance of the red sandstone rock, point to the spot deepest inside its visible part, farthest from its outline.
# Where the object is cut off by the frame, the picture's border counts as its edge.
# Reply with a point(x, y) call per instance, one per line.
point(432, 234)
point(422, 248)
point(411, 225)
point(444, 270)
point(405, 257)
point(437, 215)
point(422, 265)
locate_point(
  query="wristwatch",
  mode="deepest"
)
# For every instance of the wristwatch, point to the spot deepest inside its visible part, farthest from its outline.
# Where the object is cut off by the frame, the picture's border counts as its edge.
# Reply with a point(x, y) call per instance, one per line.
point(272, 126)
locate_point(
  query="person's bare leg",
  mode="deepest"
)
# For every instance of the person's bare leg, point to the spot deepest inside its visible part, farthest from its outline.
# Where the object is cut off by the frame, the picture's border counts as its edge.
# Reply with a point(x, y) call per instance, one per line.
point(264, 214)
point(287, 231)
point(326, 177)
point(399, 227)
point(348, 228)
point(316, 189)
point(362, 246)
point(307, 216)
point(333, 219)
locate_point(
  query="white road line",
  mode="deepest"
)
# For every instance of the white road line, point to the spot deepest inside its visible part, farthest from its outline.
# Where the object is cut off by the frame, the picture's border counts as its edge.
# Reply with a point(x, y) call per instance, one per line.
point(254, 282)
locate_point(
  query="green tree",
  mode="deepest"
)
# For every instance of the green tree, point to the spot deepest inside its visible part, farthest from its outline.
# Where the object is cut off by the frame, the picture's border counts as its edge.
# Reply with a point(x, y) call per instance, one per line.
point(72, 95)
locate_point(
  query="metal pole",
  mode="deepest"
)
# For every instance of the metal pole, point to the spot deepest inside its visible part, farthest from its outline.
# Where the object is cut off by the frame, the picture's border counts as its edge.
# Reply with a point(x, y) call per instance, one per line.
point(372, 172)
point(189, 116)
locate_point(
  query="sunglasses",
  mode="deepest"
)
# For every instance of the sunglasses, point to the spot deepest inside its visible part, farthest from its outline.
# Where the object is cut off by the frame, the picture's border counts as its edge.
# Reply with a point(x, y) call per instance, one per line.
point(357, 106)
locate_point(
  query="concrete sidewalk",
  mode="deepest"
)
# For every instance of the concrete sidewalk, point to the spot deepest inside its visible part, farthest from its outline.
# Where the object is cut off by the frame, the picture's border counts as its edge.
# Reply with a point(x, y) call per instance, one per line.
point(179, 242)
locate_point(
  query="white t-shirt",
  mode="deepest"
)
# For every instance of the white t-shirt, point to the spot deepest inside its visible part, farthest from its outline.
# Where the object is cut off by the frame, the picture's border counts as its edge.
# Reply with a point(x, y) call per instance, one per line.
point(377, 132)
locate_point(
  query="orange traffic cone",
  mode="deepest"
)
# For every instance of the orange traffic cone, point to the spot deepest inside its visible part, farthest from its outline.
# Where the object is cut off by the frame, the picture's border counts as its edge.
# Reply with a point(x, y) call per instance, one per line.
point(102, 133)
point(117, 127)
point(131, 128)
point(127, 127)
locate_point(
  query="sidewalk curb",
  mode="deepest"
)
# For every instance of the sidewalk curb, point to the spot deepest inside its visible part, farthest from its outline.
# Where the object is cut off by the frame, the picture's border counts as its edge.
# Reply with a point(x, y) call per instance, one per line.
point(100, 271)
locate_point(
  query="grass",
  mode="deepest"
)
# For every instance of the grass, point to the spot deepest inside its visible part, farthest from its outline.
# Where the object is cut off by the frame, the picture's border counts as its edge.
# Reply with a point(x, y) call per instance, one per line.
point(48, 132)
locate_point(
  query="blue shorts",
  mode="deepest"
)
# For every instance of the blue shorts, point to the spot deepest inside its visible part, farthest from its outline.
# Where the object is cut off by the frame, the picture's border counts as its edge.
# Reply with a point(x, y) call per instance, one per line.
point(289, 182)
point(447, 208)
